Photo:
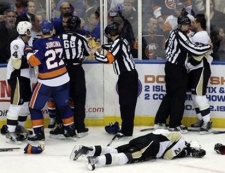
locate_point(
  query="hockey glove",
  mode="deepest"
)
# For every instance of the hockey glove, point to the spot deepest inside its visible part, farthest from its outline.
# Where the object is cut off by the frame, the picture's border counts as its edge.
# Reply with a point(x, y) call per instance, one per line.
point(197, 153)
point(29, 149)
point(112, 128)
point(219, 148)
point(194, 149)
point(27, 50)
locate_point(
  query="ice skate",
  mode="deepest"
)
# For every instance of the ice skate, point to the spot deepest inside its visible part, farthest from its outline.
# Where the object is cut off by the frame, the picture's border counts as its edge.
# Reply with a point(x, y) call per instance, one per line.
point(181, 128)
point(197, 124)
point(82, 133)
point(83, 150)
point(121, 136)
point(206, 128)
point(57, 132)
point(90, 162)
point(12, 137)
point(70, 132)
point(23, 132)
point(21, 129)
point(159, 126)
point(39, 137)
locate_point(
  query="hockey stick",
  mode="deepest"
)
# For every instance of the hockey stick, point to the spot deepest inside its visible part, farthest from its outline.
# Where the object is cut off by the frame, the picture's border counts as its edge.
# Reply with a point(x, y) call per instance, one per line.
point(152, 128)
point(216, 132)
point(147, 129)
point(114, 137)
point(194, 130)
point(8, 149)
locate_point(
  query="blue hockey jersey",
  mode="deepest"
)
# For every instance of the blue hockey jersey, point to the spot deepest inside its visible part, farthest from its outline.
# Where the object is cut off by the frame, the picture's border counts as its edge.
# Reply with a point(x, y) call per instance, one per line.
point(48, 56)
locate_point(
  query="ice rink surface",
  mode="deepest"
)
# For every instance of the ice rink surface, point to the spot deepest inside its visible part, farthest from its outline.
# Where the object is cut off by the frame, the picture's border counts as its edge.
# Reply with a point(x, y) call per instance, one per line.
point(55, 158)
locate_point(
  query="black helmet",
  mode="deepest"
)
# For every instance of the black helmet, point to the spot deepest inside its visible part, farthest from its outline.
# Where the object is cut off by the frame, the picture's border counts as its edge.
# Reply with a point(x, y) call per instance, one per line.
point(73, 22)
point(183, 20)
point(112, 29)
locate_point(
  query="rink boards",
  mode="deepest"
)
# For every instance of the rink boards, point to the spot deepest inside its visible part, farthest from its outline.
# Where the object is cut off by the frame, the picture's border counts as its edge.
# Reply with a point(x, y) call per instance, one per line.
point(102, 98)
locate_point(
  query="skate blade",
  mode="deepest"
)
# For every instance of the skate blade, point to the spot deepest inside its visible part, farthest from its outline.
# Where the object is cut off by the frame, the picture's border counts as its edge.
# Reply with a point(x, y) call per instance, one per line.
point(194, 129)
point(61, 137)
point(13, 142)
point(85, 161)
point(72, 138)
point(205, 132)
point(72, 154)
point(81, 135)
point(88, 165)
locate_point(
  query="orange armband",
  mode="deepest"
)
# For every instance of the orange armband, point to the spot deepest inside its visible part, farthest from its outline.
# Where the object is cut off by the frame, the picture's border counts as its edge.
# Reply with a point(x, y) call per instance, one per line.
point(110, 57)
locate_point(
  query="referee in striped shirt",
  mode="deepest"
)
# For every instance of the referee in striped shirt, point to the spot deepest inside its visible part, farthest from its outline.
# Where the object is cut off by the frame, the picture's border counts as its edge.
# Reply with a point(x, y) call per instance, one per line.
point(120, 56)
point(178, 46)
point(76, 49)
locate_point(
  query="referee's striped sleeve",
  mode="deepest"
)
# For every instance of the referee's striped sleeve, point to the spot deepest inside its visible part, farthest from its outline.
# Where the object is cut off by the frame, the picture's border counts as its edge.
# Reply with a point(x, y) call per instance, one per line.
point(192, 48)
point(101, 58)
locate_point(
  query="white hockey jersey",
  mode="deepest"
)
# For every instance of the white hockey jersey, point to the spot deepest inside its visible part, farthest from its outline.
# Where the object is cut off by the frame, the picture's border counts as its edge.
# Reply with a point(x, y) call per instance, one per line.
point(14, 68)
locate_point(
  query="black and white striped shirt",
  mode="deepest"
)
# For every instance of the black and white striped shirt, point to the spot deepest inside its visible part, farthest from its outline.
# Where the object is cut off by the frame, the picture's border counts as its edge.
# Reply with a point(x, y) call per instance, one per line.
point(179, 45)
point(119, 54)
point(75, 47)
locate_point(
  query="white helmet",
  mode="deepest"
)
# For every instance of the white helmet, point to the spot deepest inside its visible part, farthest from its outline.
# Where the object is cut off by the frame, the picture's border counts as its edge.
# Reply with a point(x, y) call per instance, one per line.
point(24, 28)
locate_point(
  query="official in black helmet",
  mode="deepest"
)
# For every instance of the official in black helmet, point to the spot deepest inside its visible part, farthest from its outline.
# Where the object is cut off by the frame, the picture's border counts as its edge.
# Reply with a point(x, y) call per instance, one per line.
point(73, 23)
point(76, 49)
point(184, 23)
point(120, 56)
point(178, 46)
point(112, 29)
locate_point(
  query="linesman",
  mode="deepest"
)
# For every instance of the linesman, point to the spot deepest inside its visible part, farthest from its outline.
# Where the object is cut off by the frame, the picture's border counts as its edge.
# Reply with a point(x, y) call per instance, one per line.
point(120, 56)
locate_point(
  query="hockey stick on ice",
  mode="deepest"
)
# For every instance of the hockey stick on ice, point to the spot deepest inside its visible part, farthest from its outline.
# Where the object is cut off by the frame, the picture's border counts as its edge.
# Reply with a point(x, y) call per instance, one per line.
point(8, 149)
point(152, 128)
point(216, 132)
point(147, 129)
point(114, 137)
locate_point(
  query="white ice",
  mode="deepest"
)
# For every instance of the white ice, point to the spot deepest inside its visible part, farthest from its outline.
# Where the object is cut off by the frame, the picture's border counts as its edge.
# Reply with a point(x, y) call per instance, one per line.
point(55, 158)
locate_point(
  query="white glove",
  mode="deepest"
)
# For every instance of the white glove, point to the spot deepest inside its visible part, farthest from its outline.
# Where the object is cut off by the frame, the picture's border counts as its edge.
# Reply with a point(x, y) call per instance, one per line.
point(188, 9)
point(157, 12)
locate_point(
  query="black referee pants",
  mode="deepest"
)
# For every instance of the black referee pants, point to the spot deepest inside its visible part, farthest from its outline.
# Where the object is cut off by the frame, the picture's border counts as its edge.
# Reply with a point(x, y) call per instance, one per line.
point(172, 105)
point(78, 94)
point(128, 92)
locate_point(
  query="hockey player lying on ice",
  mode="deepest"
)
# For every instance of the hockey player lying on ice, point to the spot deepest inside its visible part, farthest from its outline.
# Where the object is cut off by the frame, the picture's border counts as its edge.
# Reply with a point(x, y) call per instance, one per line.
point(159, 144)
